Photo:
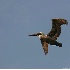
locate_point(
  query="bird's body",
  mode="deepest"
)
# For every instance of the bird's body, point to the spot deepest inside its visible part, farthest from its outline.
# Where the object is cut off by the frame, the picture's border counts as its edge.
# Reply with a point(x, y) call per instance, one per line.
point(52, 36)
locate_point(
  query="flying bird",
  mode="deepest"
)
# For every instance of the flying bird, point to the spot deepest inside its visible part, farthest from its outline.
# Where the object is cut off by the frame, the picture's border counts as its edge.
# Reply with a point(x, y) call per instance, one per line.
point(51, 37)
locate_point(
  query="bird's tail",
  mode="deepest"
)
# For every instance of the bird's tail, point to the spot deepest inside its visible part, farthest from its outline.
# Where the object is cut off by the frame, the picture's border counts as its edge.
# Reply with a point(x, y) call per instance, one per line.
point(56, 43)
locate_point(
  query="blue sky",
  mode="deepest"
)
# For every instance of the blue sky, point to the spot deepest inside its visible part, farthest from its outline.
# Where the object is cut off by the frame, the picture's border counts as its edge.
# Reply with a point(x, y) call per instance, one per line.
point(18, 19)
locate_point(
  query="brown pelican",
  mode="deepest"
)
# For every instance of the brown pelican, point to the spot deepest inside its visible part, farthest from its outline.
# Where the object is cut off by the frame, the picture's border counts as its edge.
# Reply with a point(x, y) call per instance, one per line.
point(52, 36)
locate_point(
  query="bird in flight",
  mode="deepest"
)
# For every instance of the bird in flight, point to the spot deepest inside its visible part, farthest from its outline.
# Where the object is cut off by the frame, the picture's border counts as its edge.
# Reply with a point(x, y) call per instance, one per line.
point(51, 37)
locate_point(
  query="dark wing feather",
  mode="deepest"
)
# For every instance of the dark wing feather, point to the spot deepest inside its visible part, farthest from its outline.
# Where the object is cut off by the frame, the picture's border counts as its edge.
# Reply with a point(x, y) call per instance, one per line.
point(58, 32)
point(56, 28)
point(53, 30)
point(45, 46)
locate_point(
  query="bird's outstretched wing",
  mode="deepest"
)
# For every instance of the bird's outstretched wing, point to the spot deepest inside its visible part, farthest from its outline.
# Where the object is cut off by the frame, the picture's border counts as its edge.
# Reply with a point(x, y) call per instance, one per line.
point(56, 27)
point(45, 47)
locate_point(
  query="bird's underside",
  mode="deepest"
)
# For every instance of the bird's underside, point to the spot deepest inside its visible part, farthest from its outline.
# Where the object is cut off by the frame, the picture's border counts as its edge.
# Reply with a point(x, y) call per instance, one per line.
point(52, 35)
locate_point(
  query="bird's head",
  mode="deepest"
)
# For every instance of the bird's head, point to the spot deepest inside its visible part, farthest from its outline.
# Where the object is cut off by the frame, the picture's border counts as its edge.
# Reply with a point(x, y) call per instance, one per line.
point(37, 34)
point(40, 35)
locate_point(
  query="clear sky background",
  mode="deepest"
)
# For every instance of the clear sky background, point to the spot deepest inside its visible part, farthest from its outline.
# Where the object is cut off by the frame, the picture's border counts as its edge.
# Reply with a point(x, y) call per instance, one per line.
point(18, 19)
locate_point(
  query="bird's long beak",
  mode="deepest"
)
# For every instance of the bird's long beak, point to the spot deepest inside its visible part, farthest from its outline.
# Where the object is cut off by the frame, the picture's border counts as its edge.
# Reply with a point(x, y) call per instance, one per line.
point(33, 35)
